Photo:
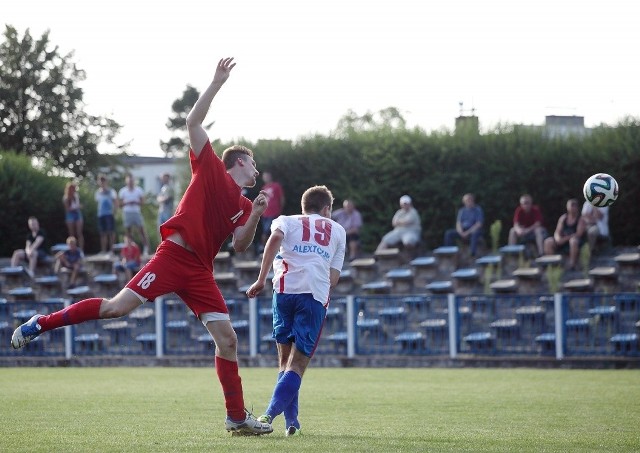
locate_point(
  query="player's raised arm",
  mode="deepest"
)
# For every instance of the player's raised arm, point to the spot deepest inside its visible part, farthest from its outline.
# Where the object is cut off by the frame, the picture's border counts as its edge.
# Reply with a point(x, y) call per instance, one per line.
point(197, 135)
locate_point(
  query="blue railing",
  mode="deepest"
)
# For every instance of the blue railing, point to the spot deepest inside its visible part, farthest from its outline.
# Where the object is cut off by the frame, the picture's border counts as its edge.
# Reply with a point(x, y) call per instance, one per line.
point(560, 325)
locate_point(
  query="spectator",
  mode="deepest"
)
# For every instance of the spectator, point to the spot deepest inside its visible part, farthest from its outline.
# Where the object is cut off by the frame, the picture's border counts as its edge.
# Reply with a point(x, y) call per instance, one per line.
point(106, 199)
point(468, 224)
point(351, 220)
point(303, 276)
point(34, 250)
point(71, 260)
point(528, 225)
point(129, 258)
point(131, 200)
point(406, 226)
point(597, 223)
point(73, 213)
point(165, 200)
point(569, 234)
point(275, 195)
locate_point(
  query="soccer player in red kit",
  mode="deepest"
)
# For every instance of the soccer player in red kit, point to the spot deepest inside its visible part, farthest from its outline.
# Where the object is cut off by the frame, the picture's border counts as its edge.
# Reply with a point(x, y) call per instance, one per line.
point(211, 209)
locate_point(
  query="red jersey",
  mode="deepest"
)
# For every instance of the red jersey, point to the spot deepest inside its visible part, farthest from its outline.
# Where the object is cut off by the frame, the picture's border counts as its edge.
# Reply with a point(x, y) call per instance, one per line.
point(526, 219)
point(131, 253)
point(274, 197)
point(210, 210)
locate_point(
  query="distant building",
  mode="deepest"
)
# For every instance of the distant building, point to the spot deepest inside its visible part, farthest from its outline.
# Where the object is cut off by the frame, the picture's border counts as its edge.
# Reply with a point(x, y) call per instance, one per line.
point(560, 126)
point(148, 171)
point(467, 125)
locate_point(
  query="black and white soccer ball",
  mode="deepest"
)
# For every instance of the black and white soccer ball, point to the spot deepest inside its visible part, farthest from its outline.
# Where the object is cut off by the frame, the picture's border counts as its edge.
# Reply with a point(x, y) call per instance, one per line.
point(601, 190)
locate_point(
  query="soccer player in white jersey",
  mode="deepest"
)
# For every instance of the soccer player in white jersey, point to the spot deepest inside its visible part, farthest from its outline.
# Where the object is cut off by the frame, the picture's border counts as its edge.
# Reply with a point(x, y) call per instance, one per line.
point(307, 251)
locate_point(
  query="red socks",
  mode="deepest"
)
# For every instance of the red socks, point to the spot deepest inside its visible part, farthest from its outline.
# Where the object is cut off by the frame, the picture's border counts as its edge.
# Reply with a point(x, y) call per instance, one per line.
point(231, 387)
point(84, 310)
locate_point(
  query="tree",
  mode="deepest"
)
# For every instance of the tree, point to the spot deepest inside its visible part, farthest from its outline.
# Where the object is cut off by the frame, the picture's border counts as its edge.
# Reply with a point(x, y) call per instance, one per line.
point(177, 124)
point(387, 118)
point(41, 107)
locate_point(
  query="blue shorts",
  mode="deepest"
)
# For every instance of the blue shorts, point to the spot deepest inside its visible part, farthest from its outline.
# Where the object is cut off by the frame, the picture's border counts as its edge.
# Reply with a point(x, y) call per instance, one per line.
point(106, 223)
point(73, 216)
point(298, 318)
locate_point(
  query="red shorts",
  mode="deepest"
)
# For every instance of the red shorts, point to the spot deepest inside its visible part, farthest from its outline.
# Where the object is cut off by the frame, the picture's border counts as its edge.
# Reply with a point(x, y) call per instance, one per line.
point(174, 269)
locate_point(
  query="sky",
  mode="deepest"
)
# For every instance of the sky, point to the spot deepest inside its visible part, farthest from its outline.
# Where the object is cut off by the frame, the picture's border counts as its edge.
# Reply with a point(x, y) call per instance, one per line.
point(303, 64)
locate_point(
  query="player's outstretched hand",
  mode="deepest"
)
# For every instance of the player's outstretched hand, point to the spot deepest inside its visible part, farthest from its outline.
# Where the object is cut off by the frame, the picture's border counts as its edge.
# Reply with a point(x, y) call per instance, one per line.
point(255, 289)
point(225, 65)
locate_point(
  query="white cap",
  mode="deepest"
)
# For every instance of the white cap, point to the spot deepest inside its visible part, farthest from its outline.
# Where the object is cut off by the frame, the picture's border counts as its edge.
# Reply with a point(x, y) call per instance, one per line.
point(405, 199)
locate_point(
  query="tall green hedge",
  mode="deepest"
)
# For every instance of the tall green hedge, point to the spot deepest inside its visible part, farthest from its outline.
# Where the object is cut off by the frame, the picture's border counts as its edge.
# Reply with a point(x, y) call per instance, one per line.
point(376, 167)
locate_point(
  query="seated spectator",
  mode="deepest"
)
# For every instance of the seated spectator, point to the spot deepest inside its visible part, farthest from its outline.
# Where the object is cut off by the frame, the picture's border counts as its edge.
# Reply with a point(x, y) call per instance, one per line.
point(351, 220)
point(71, 259)
point(569, 234)
point(597, 222)
point(527, 225)
point(406, 227)
point(129, 258)
point(468, 224)
point(34, 250)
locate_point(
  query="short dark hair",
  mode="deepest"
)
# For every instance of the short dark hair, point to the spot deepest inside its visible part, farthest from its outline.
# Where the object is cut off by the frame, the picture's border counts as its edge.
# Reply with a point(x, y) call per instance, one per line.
point(230, 155)
point(315, 198)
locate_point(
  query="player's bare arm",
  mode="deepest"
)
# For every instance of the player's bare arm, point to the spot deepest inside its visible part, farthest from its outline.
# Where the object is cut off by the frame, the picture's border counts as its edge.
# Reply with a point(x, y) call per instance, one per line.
point(243, 235)
point(270, 249)
point(334, 276)
point(197, 135)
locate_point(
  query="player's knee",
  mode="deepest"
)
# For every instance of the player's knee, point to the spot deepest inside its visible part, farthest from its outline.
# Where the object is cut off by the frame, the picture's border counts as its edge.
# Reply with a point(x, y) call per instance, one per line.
point(111, 309)
point(228, 343)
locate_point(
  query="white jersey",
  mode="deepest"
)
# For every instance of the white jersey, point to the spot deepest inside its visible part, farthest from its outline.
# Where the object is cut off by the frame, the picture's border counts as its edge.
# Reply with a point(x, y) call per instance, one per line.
point(131, 198)
point(312, 245)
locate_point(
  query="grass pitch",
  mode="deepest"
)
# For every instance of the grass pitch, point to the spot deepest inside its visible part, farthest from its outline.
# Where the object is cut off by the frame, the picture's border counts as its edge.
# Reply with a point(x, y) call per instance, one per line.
point(351, 410)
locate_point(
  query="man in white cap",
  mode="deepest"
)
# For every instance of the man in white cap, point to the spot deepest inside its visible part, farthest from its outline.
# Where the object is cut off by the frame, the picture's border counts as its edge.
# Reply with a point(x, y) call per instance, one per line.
point(406, 226)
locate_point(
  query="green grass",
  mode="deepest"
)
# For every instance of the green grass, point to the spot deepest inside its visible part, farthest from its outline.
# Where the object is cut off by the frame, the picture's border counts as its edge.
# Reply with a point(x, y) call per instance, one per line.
point(351, 410)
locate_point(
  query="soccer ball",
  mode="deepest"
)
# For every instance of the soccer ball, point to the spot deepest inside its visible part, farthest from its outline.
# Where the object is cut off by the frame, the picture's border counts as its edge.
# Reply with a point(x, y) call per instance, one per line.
point(600, 190)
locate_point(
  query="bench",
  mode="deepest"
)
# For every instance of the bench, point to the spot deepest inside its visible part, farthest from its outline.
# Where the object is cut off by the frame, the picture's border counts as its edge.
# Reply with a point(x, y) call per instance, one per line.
point(387, 259)
point(440, 287)
point(411, 342)
point(507, 331)
point(546, 343)
point(625, 343)
point(505, 286)
point(346, 283)
point(479, 342)
point(512, 257)
point(365, 269)
point(23, 293)
point(89, 342)
point(147, 342)
point(465, 281)
point(529, 280)
point(436, 331)
point(401, 280)
point(447, 259)
point(425, 269)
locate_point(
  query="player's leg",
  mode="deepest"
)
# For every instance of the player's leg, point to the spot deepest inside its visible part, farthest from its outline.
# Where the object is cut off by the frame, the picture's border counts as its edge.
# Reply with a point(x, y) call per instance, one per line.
point(291, 411)
point(308, 317)
point(239, 420)
point(153, 280)
point(85, 310)
point(203, 297)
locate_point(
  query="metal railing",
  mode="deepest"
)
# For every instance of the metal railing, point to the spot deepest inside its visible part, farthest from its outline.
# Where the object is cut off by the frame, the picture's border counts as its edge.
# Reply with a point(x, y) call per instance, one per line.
point(546, 325)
